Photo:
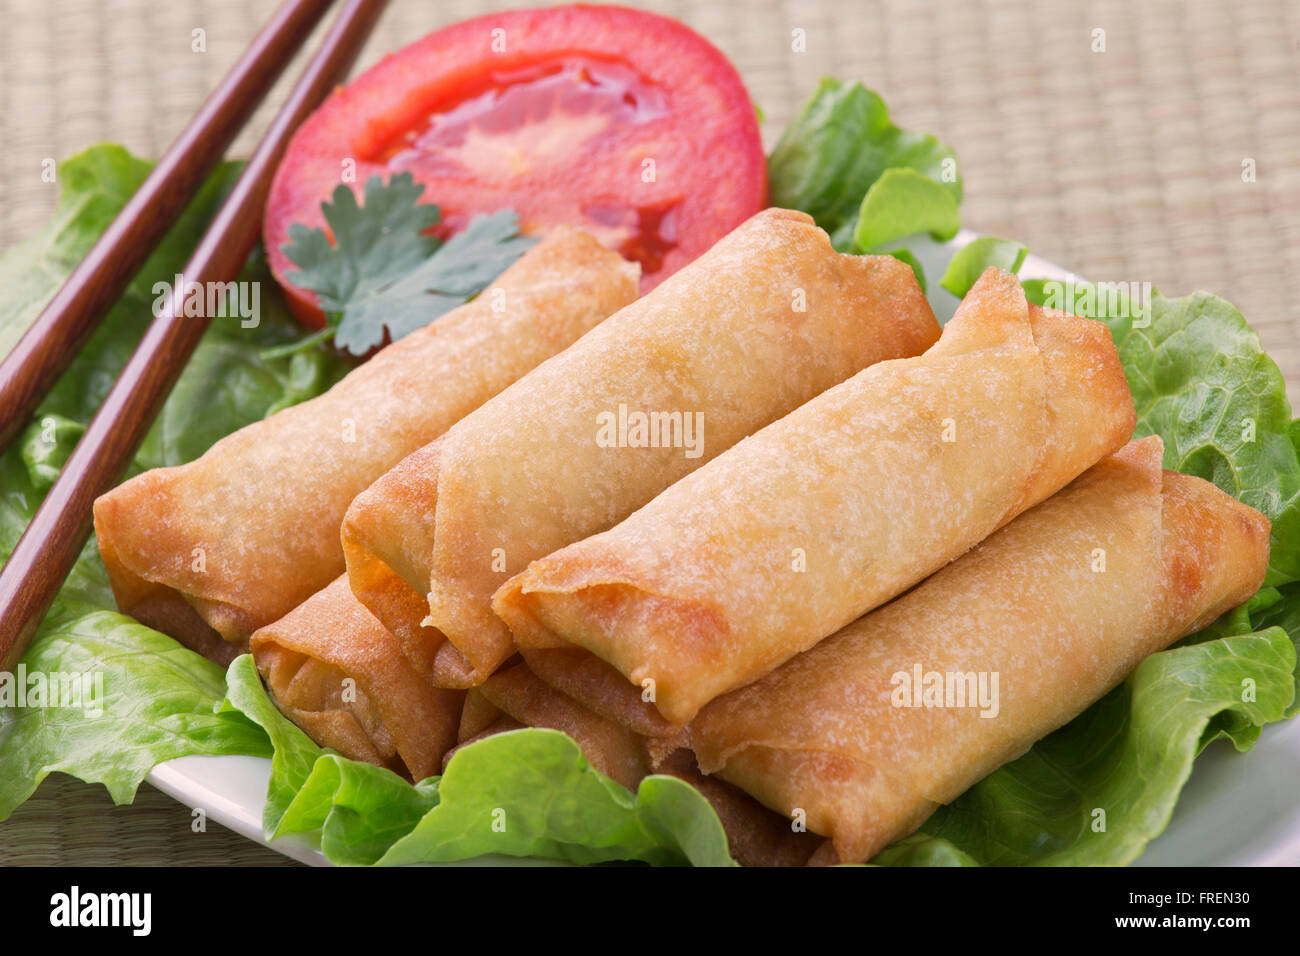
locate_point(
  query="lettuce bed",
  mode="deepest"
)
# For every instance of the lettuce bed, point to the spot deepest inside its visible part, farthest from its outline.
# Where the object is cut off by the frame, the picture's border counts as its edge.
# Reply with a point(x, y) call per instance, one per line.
point(1199, 378)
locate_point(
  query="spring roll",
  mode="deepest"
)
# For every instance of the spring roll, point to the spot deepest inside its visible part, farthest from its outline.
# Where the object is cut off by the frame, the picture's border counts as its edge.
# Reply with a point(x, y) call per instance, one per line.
point(513, 697)
point(339, 674)
point(233, 541)
point(768, 318)
point(874, 728)
point(836, 508)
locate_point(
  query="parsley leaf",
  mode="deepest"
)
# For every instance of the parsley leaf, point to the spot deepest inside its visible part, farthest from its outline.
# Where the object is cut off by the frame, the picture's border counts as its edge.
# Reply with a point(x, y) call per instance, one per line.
point(382, 274)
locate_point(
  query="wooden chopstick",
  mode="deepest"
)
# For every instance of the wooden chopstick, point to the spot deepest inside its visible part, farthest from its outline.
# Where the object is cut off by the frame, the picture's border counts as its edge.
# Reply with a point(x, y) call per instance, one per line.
point(50, 545)
point(46, 349)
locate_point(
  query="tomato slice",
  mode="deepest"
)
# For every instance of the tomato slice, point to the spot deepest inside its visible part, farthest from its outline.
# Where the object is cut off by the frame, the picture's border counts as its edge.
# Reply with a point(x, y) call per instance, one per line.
point(625, 123)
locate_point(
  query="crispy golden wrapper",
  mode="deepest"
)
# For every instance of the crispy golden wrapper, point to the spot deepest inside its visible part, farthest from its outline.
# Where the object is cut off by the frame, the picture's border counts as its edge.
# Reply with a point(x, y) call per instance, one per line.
point(238, 538)
point(836, 508)
point(339, 674)
point(1059, 606)
point(765, 320)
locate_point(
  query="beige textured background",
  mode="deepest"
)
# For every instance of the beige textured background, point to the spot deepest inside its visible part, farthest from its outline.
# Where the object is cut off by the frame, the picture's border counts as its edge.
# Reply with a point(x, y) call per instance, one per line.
point(1122, 165)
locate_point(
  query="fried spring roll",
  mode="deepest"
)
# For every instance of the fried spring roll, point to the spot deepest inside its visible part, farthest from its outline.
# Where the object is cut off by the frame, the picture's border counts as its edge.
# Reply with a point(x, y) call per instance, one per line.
point(768, 318)
point(834, 509)
point(387, 715)
point(1010, 642)
point(238, 538)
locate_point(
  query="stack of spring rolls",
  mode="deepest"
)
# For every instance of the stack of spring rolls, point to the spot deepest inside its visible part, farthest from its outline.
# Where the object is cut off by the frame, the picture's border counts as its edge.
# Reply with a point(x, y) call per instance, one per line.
point(247, 536)
point(719, 535)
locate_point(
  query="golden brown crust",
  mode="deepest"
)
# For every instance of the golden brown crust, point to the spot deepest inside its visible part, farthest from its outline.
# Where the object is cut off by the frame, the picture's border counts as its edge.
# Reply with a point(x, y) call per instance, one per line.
point(836, 508)
point(386, 534)
point(1060, 605)
point(588, 679)
point(337, 672)
point(1220, 547)
point(477, 716)
point(765, 320)
point(250, 530)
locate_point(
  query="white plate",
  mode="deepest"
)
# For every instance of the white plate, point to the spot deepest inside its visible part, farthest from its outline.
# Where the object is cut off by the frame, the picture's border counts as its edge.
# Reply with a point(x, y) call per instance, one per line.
point(1236, 810)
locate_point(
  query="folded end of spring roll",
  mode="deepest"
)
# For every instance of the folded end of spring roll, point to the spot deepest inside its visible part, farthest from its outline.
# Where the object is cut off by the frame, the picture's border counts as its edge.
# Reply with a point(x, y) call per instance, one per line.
point(1220, 558)
point(906, 708)
point(214, 628)
point(750, 559)
point(337, 672)
point(388, 539)
point(479, 718)
point(239, 537)
point(559, 602)
point(387, 535)
point(1091, 412)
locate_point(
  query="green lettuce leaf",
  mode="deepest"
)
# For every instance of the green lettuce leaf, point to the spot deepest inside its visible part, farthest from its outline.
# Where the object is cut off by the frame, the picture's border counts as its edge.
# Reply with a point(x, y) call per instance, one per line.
point(94, 186)
point(531, 793)
point(839, 145)
point(295, 752)
point(1284, 613)
point(922, 850)
point(526, 793)
point(1203, 383)
point(902, 202)
point(226, 385)
point(24, 480)
point(230, 381)
point(1201, 380)
point(45, 448)
point(360, 810)
point(973, 258)
point(906, 255)
point(156, 700)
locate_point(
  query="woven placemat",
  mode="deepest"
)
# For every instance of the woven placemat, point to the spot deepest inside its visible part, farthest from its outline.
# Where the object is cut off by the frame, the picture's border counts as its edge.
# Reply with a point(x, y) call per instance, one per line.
point(1124, 164)
point(68, 822)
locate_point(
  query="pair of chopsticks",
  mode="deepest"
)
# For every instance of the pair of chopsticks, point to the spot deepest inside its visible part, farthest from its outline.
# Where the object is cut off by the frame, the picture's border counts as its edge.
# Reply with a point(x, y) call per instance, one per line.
point(50, 545)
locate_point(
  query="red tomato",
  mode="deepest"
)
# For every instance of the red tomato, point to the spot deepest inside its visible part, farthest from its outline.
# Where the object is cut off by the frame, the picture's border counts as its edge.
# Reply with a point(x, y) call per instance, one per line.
point(625, 123)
